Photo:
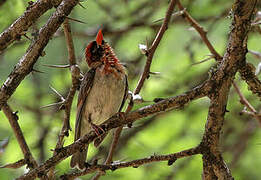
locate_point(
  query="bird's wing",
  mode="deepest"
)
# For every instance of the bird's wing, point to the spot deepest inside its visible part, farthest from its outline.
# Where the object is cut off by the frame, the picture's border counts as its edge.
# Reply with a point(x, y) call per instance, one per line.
point(85, 88)
point(125, 94)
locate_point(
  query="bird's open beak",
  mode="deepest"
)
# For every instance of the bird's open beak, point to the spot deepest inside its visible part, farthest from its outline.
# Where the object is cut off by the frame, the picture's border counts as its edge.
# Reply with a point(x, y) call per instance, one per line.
point(99, 38)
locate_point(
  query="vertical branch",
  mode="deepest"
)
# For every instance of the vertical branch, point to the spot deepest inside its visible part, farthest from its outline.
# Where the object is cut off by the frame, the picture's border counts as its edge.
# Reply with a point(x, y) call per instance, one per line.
point(75, 74)
point(13, 120)
point(214, 166)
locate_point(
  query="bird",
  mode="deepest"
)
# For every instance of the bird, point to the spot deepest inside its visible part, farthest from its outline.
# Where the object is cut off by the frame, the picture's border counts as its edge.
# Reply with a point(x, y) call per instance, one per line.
point(102, 94)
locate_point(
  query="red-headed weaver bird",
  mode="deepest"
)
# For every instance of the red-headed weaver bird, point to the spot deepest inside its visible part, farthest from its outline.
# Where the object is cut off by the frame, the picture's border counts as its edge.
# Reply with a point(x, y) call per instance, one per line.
point(102, 94)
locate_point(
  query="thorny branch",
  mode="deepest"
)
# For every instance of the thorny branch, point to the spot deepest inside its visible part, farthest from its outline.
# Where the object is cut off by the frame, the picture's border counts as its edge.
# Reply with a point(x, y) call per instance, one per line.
point(171, 158)
point(214, 166)
point(21, 25)
point(154, 46)
point(13, 120)
point(26, 63)
point(247, 71)
point(75, 74)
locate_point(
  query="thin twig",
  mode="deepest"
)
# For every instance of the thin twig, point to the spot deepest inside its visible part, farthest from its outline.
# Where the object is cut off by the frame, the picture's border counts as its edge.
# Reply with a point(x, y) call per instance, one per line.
point(243, 100)
point(256, 54)
point(202, 61)
point(200, 30)
point(15, 165)
point(57, 93)
point(171, 158)
point(57, 66)
point(75, 74)
point(76, 20)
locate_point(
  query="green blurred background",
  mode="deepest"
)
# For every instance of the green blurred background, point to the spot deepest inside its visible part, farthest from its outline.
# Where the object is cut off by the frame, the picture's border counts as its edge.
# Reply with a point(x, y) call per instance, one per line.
point(125, 24)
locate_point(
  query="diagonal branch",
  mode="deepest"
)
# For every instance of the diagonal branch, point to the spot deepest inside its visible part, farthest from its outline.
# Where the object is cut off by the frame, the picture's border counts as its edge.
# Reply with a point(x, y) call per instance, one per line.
point(13, 120)
point(15, 165)
point(154, 46)
point(32, 13)
point(200, 30)
point(247, 73)
point(247, 104)
point(26, 63)
point(243, 99)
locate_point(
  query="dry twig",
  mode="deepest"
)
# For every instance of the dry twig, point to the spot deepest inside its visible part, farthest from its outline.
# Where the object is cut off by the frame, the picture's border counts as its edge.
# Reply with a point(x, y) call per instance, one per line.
point(171, 158)
point(13, 120)
point(75, 74)
point(15, 165)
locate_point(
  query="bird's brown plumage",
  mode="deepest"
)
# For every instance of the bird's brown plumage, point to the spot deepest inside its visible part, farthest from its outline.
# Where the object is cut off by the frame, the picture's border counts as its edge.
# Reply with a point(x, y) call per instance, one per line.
point(102, 93)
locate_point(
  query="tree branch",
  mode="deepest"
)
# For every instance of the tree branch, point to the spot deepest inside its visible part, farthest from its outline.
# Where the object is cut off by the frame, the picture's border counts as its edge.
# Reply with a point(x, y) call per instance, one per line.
point(15, 165)
point(13, 120)
point(32, 13)
point(171, 158)
point(26, 63)
point(213, 163)
point(247, 72)
point(154, 46)
point(200, 30)
point(75, 74)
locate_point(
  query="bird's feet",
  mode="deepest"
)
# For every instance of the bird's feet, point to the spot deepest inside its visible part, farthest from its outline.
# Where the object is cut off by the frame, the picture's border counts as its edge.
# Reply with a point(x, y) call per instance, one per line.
point(97, 129)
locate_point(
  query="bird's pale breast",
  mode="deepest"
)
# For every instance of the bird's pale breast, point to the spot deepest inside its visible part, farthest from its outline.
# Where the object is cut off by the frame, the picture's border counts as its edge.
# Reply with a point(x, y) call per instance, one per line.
point(104, 98)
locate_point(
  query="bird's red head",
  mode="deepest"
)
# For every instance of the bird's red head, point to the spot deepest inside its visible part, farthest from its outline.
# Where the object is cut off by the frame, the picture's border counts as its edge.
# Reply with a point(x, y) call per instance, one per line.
point(99, 51)
point(95, 50)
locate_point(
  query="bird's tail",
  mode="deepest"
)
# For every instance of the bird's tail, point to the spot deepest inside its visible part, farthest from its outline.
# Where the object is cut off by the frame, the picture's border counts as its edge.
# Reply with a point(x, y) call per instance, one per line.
point(78, 159)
